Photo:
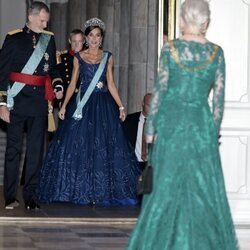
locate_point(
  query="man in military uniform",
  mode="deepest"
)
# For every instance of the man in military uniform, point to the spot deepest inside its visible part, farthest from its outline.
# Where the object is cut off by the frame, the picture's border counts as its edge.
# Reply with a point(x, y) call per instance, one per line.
point(65, 67)
point(66, 57)
point(27, 64)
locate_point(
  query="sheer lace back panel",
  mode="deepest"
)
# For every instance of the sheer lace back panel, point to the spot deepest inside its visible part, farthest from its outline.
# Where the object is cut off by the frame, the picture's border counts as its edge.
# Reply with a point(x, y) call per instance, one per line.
point(188, 70)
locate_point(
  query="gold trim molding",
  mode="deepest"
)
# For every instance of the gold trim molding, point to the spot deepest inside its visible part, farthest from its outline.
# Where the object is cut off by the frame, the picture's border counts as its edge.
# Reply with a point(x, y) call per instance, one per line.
point(171, 19)
point(171, 10)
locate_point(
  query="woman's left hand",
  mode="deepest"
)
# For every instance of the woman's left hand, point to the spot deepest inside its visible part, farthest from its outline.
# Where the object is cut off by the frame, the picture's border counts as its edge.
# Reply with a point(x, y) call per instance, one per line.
point(62, 112)
point(122, 115)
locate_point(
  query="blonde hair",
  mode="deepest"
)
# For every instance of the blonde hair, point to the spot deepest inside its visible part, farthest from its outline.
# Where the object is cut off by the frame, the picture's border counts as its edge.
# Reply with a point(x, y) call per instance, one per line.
point(196, 14)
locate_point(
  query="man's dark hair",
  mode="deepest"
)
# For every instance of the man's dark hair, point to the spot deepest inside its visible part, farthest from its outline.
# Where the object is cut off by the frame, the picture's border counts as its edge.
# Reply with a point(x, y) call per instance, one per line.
point(36, 8)
point(76, 32)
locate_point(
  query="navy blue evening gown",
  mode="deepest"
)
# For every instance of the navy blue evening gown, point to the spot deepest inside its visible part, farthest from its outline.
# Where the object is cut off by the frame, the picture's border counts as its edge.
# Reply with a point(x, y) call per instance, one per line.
point(90, 160)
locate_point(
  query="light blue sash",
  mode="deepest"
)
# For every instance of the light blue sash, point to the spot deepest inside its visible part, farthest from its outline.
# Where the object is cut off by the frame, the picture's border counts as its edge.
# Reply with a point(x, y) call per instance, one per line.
point(80, 104)
point(29, 68)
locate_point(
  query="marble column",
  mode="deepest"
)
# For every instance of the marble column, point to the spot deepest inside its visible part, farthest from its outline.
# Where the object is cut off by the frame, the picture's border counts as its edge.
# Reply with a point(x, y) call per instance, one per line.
point(142, 51)
point(76, 14)
point(58, 23)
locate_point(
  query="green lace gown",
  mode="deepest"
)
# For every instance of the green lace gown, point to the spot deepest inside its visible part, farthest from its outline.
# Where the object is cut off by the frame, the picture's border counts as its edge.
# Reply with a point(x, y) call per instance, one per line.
point(188, 208)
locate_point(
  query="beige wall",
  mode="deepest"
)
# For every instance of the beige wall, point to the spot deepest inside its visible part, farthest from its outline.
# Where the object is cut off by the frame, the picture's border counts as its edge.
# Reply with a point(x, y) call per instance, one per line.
point(232, 33)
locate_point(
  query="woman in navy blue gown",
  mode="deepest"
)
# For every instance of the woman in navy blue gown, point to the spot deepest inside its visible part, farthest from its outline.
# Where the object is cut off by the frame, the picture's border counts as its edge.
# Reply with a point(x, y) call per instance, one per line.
point(89, 160)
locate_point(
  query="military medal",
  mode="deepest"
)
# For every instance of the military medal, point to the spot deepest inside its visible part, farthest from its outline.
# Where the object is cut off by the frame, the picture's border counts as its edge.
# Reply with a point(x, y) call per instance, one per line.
point(46, 67)
point(46, 56)
point(46, 64)
point(34, 41)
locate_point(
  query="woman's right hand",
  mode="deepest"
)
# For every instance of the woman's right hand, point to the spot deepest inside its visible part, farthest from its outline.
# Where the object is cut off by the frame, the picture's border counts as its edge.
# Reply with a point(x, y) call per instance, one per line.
point(62, 112)
point(4, 114)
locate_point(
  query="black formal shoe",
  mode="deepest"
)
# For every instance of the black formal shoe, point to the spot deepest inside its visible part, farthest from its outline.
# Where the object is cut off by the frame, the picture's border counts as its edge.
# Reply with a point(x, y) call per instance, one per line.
point(30, 205)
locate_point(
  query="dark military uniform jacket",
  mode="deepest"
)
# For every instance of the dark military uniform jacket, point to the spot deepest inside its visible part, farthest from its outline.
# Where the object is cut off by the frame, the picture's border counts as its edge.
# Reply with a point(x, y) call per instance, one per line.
point(16, 51)
point(65, 67)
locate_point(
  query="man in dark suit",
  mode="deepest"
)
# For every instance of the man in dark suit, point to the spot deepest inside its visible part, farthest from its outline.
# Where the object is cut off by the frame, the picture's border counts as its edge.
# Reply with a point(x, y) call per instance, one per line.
point(27, 62)
point(134, 126)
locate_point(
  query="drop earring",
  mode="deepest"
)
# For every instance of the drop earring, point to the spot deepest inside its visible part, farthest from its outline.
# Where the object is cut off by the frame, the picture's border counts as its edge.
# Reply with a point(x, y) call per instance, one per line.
point(100, 44)
point(86, 43)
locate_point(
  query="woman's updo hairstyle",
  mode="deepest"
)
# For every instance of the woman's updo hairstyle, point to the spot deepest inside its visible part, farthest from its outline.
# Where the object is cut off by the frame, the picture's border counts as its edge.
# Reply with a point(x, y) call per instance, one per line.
point(196, 14)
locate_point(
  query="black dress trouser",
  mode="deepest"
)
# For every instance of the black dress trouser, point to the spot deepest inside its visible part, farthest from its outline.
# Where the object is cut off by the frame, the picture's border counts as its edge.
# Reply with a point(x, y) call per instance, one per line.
point(34, 154)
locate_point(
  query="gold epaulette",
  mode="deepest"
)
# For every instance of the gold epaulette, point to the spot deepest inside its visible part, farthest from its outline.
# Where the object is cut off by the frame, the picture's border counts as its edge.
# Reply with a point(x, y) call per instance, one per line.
point(48, 32)
point(58, 55)
point(64, 52)
point(15, 31)
point(2, 94)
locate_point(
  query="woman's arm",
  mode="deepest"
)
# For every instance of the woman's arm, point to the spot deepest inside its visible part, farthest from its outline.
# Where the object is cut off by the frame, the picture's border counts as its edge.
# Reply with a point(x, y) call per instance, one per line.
point(71, 88)
point(219, 91)
point(113, 89)
point(159, 91)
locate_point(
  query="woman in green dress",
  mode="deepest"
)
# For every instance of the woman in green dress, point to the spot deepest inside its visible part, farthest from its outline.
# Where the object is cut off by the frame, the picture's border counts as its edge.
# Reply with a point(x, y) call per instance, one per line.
point(188, 207)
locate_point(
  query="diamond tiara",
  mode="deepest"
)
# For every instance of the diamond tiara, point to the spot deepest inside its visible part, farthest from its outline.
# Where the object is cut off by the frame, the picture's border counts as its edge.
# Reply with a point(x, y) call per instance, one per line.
point(94, 22)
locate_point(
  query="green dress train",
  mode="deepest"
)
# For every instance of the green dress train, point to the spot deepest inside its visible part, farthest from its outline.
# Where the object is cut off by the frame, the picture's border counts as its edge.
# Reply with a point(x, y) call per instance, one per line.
point(188, 208)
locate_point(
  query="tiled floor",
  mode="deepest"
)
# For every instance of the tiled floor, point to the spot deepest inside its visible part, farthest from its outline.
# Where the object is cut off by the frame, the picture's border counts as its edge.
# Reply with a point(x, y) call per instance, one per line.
point(55, 236)
point(66, 226)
